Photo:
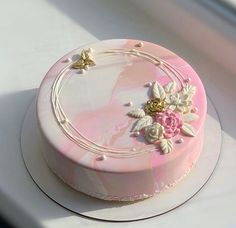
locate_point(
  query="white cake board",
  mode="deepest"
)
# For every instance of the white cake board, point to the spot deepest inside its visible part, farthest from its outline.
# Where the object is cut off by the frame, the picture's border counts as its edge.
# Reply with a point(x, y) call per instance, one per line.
point(94, 208)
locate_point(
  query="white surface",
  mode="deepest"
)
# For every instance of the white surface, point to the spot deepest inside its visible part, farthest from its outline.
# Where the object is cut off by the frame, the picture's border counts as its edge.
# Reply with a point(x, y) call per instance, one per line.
point(119, 211)
point(33, 35)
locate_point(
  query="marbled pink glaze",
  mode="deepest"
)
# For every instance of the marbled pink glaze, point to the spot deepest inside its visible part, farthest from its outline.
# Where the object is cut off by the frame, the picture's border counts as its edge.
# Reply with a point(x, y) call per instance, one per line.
point(108, 125)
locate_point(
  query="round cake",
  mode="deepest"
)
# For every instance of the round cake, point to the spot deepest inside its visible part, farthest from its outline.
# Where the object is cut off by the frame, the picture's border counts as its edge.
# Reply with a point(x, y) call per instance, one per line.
point(121, 119)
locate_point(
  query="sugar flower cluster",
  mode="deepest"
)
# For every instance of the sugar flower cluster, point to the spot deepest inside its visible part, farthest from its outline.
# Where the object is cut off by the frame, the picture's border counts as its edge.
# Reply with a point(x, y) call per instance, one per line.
point(167, 114)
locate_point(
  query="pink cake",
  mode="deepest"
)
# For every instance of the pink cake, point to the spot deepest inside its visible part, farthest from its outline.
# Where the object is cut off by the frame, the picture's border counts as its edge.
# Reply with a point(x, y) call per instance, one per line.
point(121, 119)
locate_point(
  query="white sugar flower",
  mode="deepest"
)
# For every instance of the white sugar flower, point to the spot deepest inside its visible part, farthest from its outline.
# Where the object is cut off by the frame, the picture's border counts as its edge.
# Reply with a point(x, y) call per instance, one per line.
point(154, 132)
point(179, 102)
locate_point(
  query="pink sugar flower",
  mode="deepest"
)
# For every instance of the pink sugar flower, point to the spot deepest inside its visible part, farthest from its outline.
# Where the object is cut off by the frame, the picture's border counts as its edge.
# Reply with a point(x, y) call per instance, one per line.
point(171, 121)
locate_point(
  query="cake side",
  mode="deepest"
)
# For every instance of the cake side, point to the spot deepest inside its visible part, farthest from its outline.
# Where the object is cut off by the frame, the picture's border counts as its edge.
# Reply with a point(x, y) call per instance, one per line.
point(116, 186)
point(97, 102)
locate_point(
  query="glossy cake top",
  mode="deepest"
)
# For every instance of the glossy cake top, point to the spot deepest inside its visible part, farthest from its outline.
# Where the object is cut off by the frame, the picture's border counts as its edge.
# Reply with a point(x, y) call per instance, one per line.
point(115, 104)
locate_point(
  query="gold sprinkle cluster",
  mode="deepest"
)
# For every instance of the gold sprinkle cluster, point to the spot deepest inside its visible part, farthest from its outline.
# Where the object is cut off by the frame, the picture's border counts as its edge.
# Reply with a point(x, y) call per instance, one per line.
point(154, 106)
point(85, 61)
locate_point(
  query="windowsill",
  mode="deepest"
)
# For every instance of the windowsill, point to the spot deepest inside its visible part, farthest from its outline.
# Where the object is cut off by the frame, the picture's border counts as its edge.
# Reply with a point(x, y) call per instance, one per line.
point(199, 26)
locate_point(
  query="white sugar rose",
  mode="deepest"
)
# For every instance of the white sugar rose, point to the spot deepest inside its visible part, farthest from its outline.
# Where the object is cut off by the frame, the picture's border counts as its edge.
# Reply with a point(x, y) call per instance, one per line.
point(153, 132)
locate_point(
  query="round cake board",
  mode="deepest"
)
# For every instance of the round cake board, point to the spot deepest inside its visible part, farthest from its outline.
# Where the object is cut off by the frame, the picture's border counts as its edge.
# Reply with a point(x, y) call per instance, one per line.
point(94, 208)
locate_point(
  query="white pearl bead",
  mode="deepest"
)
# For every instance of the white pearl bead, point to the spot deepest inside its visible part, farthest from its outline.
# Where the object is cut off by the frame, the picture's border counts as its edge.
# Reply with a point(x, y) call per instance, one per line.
point(140, 44)
point(130, 103)
point(68, 60)
point(159, 63)
point(187, 80)
point(149, 84)
point(101, 157)
point(82, 71)
point(64, 121)
point(133, 149)
point(179, 141)
point(136, 134)
point(194, 109)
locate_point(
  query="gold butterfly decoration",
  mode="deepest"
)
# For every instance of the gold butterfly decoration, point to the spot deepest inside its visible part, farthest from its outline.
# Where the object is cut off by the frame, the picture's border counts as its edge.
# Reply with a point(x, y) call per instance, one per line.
point(85, 61)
